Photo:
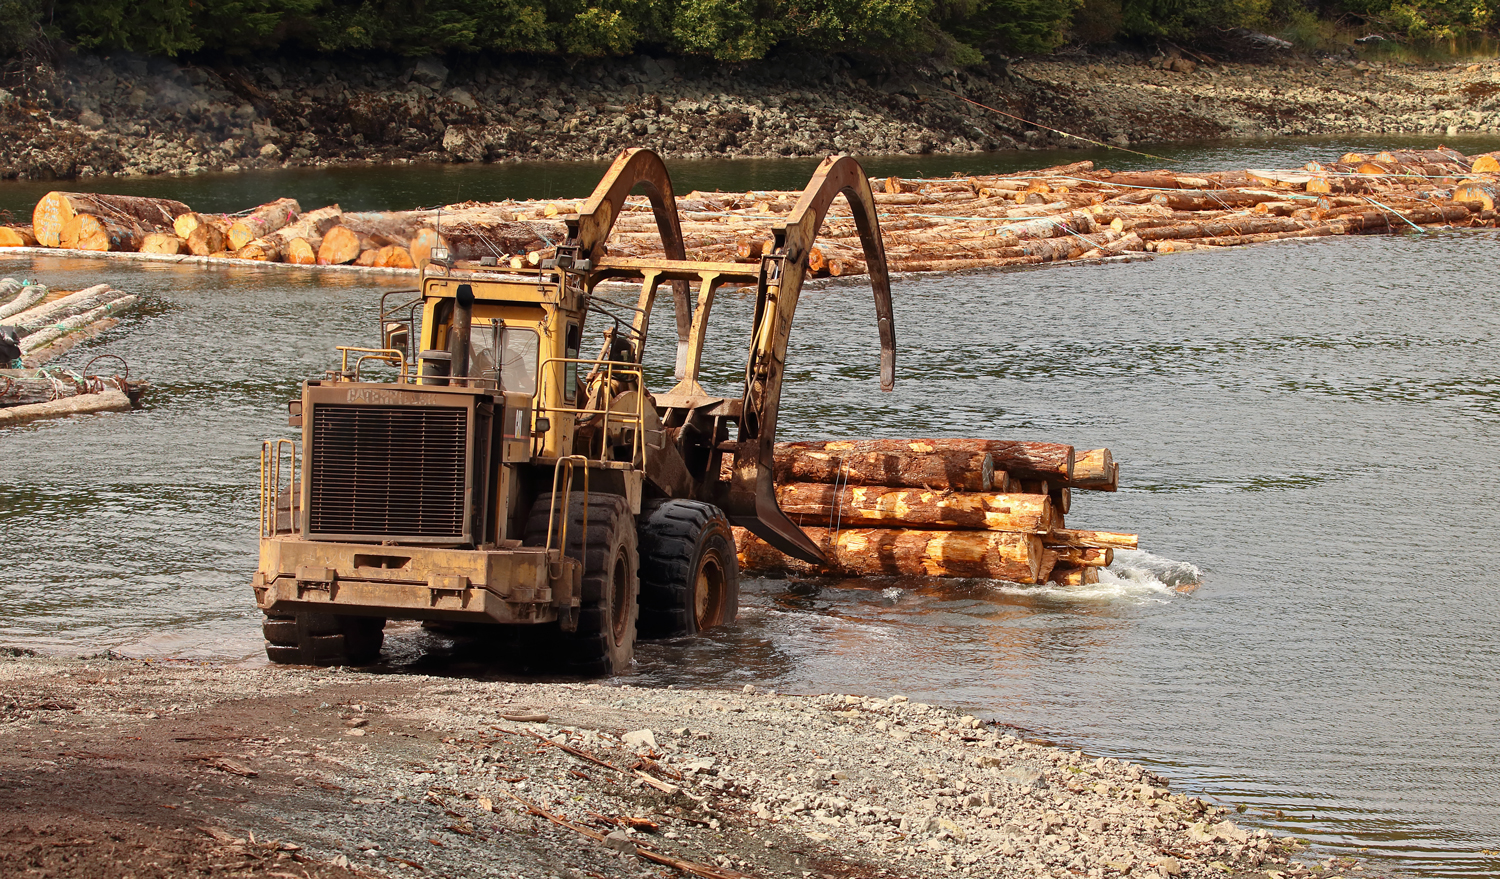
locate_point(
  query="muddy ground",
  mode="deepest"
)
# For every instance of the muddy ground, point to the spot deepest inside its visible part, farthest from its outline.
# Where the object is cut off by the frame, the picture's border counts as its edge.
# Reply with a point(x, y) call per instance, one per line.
point(128, 115)
point(122, 768)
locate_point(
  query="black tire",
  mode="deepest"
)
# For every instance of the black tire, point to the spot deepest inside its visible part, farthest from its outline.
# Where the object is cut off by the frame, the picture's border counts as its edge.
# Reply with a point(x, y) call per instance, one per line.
point(604, 642)
point(689, 570)
point(323, 639)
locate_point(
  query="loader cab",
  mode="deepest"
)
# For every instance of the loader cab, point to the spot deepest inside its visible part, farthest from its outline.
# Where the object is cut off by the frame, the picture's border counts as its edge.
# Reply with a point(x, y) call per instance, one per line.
point(517, 335)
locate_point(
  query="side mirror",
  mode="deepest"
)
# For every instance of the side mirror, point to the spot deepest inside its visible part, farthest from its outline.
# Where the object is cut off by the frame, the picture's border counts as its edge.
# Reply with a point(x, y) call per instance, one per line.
point(397, 336)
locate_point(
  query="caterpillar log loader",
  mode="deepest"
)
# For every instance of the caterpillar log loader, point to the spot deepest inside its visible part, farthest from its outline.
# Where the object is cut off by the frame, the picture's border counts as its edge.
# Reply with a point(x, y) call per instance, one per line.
point(502, 476)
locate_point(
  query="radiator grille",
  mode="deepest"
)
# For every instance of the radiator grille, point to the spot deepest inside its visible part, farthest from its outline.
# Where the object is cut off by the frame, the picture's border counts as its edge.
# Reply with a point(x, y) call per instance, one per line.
point(387, 471)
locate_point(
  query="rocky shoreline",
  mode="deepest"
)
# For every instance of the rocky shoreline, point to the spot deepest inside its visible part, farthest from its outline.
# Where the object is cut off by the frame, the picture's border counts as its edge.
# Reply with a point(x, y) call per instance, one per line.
point(129, 115)
point(170, 769)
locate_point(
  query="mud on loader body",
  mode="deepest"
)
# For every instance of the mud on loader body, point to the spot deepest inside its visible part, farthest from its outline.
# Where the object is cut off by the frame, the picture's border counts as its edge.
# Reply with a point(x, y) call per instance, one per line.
point(506, 478)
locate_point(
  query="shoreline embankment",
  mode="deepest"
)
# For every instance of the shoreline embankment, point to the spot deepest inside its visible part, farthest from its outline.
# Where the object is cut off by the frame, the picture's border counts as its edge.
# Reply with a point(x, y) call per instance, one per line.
point(128, 115)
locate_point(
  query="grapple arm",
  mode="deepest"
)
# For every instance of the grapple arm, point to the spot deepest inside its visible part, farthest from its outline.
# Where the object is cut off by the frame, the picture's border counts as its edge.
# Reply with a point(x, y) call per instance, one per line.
point(752, 493)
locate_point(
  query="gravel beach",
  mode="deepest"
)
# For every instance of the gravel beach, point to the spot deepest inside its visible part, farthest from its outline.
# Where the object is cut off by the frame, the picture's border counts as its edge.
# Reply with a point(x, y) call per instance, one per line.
point(137, 768)
point(128, 115)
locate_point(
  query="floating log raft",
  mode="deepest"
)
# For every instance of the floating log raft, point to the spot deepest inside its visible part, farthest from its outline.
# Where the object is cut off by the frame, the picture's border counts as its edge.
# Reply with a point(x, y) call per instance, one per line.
point(45, 323)
point(974, 508)
point(1052, 215)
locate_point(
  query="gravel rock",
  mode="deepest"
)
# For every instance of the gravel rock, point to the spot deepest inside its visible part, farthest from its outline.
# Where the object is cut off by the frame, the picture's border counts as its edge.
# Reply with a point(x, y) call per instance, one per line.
point(442, 785)
point(121, 116)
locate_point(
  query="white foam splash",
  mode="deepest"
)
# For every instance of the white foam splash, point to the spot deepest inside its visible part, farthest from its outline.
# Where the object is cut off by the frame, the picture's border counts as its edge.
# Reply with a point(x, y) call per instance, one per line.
point(1135, 576)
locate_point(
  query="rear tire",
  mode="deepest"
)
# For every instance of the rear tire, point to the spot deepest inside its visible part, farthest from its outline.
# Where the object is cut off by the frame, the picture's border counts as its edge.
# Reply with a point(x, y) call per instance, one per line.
point(323, 639)
point(604, 642)
point(689, 570)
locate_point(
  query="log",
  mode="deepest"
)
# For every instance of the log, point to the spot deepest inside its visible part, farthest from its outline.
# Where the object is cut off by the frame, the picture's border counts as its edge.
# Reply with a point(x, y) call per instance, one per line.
point(1095, 470)
point(1068, 576)
point(186, 223)
point(1075, 537)
point(1082, 556)
point(340, 247)
point(163, 242)
point(422, 244)
point(205, 239)
point(856, 506)
point(311, 227)
point(26, 297)
point(262, 221)
point(394, 256)
point(1481, 192)
point(18, 388)
point(1019, 458)
point(47, 335)
point(17, 236)
point(56, 208)
point(991, 555)
point(61, 346)
point(299, 251)
point(953, 470)
point(367, 257)
point(102, 234)
point(82, 300)
point(1486, 163)
point(111, 400)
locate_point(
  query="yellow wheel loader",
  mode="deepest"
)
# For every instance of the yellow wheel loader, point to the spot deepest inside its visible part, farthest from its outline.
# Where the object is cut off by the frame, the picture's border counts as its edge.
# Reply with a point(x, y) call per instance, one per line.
point(502, 476)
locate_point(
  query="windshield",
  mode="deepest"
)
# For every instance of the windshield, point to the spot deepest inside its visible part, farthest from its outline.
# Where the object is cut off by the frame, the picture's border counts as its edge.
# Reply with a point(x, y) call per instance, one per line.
point(518, 352)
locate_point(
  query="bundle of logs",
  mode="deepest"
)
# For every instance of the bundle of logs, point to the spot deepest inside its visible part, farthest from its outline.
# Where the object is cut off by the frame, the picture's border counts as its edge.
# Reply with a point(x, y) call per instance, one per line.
point(39, 324)
point(45, 323)
point(1057, 214)
point(972, 508)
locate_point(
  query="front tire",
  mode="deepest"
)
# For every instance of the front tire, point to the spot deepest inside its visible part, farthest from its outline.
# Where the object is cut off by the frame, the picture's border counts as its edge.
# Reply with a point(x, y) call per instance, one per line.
point(323, 639)
point(689, 570)
point(604, 642)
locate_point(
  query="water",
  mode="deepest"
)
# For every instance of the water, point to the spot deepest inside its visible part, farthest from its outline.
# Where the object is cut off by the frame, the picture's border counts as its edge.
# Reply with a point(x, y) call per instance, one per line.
point(1309, 427)
point(403, 187)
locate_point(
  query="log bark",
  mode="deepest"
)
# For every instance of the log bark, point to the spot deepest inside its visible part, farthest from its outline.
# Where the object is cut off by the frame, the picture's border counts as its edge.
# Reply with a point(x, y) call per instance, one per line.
point(853, 506)
point(1019, 458)
point(102, 234)
point(73, 303)
point(991, 555)
point(17, 236)
point(1075, 537)
point(310, 227)
point(1083, 556)
point(56, 208)
point(163, 242)
point(262, 221)
point(49, 334)
point(960, 470)
point(111, 400)
point(26, 297)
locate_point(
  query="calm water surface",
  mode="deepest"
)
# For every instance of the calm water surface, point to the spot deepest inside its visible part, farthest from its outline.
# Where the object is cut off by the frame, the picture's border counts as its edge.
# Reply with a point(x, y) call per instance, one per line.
point(1309, 426)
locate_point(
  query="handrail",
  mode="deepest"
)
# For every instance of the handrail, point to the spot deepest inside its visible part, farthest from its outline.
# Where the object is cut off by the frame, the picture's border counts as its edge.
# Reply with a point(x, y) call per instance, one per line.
point(393, 356)
point(270, 485)
point(562, 538)
point(611, 369)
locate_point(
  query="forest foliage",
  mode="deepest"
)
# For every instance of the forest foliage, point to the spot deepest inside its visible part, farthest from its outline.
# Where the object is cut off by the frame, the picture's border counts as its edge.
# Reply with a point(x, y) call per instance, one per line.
point(962, 31)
